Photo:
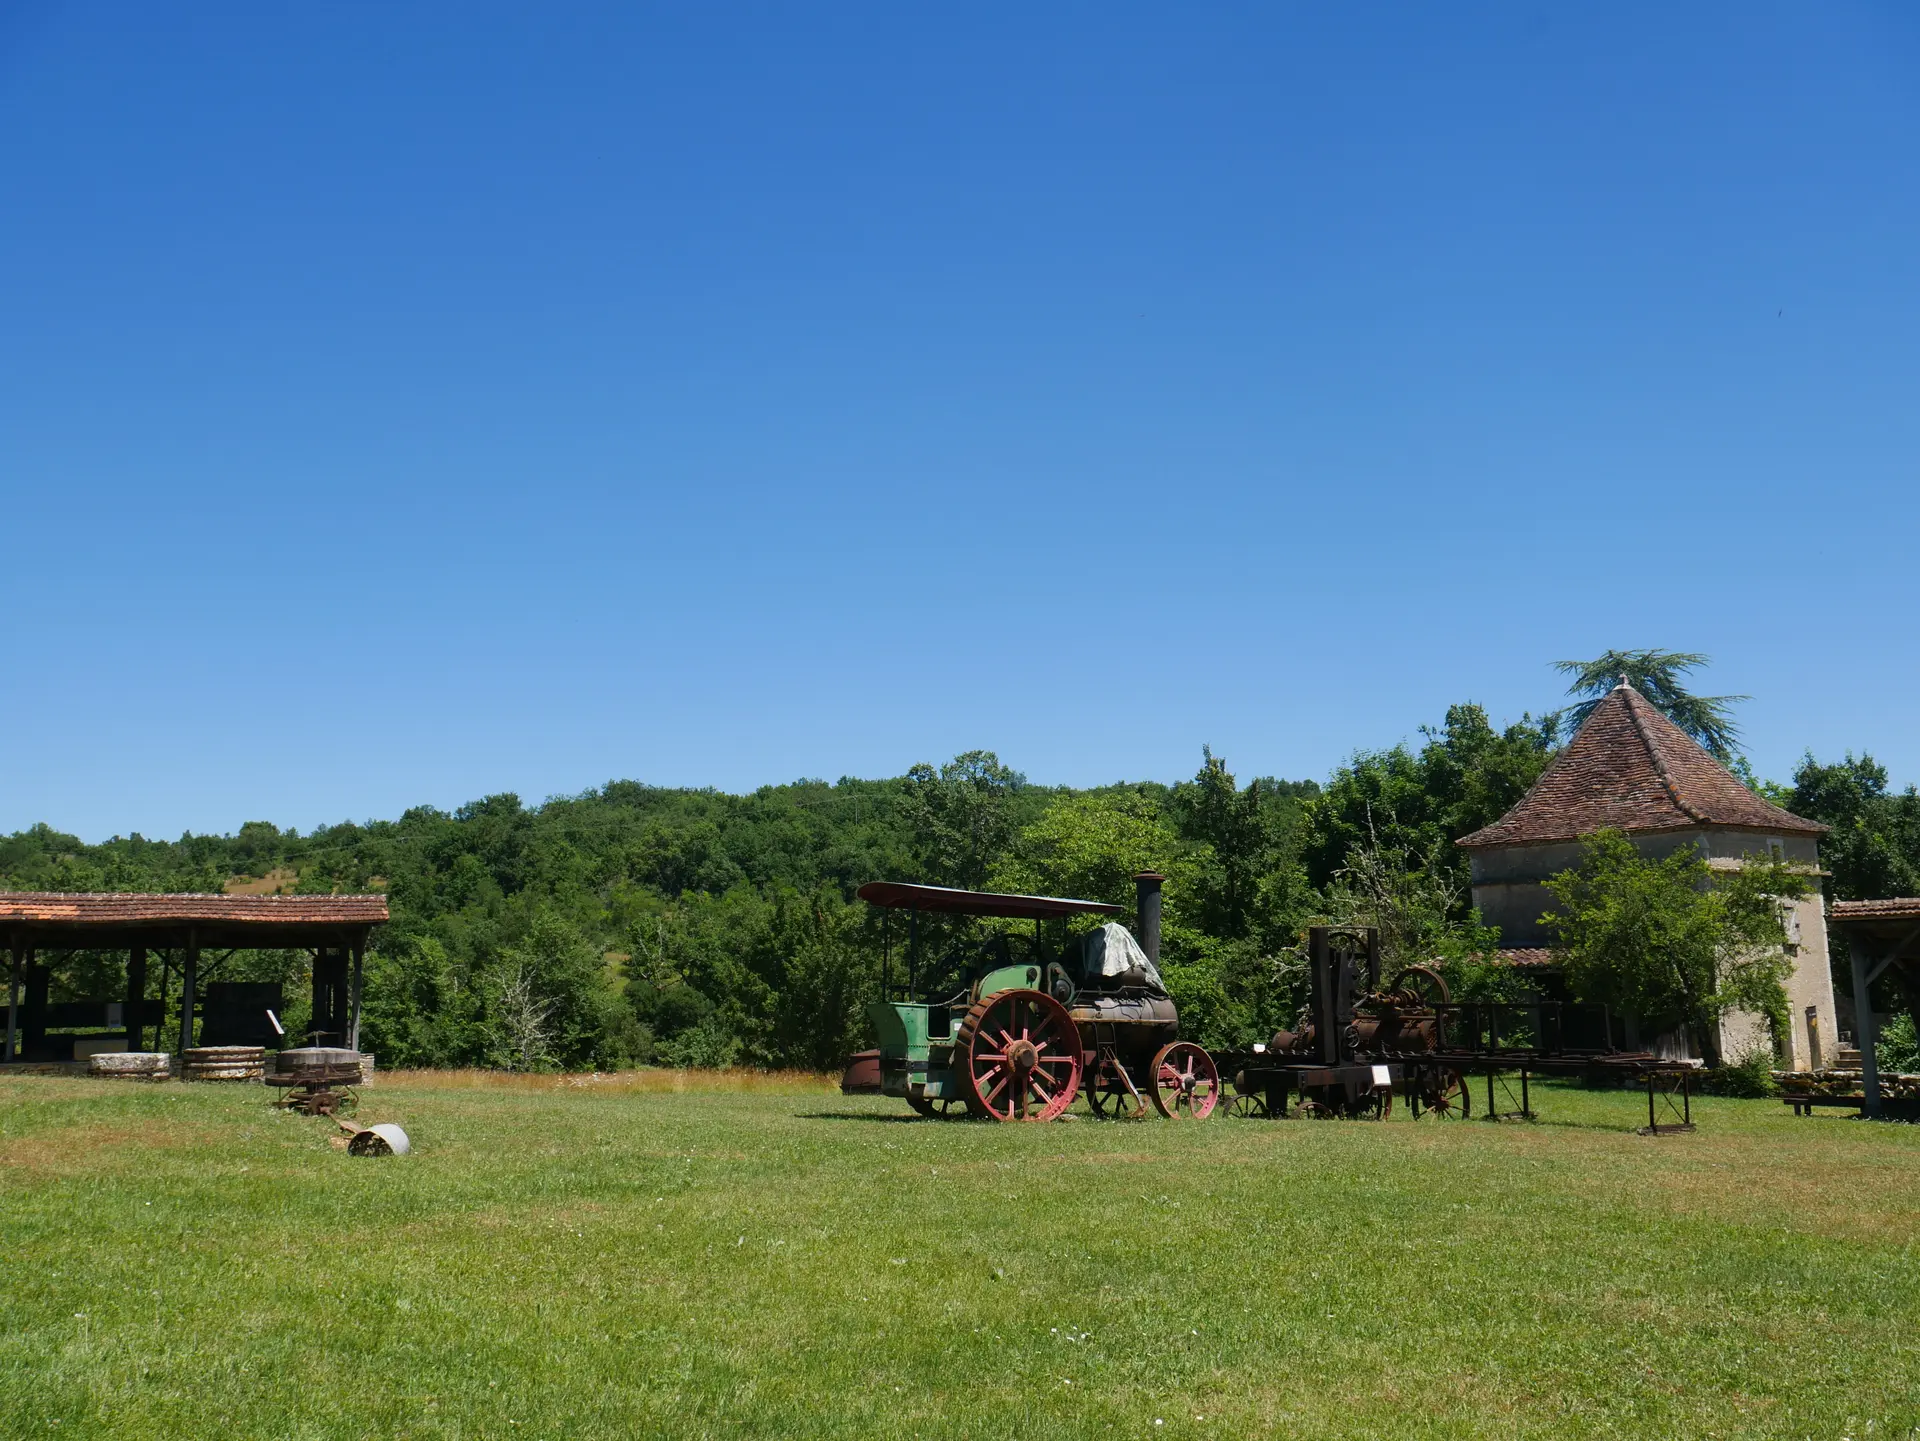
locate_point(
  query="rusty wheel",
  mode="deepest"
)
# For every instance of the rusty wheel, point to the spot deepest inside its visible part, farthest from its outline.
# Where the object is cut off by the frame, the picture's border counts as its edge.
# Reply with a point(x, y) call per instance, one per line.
point(1446, 1098)
point(1185, 1082)
point(938, 1108)
point(1418, 986)
point(1247, 1103)
point(1018, 1054)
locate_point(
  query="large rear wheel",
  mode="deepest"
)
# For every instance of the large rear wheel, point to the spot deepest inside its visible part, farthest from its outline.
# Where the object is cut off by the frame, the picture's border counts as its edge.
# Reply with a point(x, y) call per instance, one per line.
point(1018, 1054)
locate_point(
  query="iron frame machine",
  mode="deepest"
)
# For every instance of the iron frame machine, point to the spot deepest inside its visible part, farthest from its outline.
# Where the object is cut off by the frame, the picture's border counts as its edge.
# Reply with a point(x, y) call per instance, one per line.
point(1011, 1036)
point(1360, 1045)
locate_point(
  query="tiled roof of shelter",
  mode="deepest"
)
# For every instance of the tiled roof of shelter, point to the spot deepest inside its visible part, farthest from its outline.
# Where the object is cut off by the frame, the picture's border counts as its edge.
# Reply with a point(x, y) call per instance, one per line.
point(1525, 955)
point(1894, 908)
point(83, 908)
point(1630, 768)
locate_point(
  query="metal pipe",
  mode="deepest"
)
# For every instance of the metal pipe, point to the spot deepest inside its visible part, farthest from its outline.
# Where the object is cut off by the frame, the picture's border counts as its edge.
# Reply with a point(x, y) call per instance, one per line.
point(1146, 892)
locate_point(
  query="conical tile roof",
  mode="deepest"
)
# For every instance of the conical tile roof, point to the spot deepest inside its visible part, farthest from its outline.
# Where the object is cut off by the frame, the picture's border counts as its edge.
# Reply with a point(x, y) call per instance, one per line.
point(1630, 768)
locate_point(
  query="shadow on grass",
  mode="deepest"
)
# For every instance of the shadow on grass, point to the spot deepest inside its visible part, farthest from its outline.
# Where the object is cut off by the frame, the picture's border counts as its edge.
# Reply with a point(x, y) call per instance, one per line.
point(878, 1118)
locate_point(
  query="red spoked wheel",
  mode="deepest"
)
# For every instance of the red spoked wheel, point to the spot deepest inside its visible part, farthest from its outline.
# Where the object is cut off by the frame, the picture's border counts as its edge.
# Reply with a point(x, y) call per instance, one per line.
point(1018, 1054)
point(1186, 1083)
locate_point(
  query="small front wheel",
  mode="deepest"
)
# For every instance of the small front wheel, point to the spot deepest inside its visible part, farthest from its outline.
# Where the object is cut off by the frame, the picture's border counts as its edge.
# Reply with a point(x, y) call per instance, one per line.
point(1445, 1097)
point(1186, 1083)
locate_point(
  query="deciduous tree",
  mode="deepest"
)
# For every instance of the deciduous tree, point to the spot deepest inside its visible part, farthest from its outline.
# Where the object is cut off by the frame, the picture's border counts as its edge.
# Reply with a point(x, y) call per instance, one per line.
point(1672, 938)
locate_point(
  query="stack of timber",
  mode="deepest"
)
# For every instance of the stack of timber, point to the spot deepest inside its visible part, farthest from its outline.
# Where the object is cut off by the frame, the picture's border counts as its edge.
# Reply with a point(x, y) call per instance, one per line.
point(224, 1063)
point(1846, 1083)
point(130, 1065)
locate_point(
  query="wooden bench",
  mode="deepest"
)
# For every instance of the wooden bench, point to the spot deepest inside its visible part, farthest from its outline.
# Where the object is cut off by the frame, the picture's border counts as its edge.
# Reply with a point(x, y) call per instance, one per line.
point(1803, 1105)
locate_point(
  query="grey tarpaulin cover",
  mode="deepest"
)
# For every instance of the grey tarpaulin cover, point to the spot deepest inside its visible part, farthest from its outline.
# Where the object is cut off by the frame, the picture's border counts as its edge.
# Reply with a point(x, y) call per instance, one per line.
point(1112, 950)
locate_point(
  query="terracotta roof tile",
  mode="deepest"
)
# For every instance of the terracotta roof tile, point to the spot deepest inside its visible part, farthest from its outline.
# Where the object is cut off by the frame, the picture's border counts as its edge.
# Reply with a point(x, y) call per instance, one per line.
point(97, 908)
point(1630, 768)
point(1894, 908)
point(1525, 955)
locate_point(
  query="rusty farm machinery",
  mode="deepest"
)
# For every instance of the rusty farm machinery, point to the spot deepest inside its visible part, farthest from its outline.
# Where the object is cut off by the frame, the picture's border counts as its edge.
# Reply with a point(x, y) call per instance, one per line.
point(1360, 1044)
point(1010, 1028)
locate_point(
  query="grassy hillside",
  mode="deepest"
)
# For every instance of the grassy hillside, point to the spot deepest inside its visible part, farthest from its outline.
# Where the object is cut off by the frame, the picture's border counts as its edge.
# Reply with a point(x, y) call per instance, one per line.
point(576, 1259)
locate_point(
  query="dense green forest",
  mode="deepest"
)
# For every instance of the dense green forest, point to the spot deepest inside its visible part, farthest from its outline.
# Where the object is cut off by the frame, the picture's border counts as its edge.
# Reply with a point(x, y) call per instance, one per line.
point(635, 923)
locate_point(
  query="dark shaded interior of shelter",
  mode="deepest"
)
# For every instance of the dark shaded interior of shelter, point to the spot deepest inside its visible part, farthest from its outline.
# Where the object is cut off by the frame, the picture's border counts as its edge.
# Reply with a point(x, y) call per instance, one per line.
point(187, 941)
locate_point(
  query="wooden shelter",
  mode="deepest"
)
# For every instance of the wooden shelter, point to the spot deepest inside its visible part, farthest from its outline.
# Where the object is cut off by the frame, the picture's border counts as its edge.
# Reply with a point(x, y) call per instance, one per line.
point(1882, 936)
point(184, 928)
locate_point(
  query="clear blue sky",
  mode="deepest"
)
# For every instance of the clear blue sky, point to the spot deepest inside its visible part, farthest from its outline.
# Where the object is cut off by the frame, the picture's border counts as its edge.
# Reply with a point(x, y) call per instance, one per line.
point(402, 403)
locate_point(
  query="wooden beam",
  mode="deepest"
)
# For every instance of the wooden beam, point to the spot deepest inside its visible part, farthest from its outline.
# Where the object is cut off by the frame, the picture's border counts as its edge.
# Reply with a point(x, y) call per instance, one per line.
point(36, 992)
point(136, 996)
point(187, 979)
point(19, 949)
point(214, 935)
point(353, 1001)
point(320, 1014)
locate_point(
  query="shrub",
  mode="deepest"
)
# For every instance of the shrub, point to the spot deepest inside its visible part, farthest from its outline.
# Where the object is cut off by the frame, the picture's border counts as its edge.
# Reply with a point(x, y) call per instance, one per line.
point(1751, 1076)
point(1898, 1048)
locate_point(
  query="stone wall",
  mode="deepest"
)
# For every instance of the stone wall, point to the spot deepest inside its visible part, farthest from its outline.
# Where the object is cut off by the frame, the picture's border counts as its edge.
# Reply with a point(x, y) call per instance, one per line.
point(1509, 889)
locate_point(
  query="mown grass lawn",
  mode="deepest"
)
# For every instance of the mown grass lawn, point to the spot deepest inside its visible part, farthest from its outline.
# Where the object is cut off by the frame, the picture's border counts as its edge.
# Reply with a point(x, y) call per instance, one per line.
point(601, 1261)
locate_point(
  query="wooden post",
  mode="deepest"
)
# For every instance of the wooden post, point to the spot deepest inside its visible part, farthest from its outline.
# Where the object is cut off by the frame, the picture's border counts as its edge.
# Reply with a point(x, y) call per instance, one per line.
point(136, 996)
point(1863, 1028)
point(13, 998)
point(33, 1020)
point(166, 989)
point(353, 1003)
point(189, 973)
point(322, 1011)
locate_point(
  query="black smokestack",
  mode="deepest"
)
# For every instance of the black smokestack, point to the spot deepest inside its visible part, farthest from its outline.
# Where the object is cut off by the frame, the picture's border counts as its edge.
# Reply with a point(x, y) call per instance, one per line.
point(1147, 912)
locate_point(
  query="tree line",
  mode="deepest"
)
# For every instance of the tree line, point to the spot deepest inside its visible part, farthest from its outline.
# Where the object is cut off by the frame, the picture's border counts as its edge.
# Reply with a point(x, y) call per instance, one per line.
point(634, 923)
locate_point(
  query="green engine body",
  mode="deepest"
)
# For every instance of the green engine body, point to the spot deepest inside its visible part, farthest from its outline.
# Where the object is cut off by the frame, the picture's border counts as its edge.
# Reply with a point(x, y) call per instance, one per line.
point(916, 1039)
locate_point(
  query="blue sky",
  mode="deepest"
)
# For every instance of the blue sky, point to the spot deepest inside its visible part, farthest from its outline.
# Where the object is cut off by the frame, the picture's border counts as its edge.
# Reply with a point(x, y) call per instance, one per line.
point(400, 404)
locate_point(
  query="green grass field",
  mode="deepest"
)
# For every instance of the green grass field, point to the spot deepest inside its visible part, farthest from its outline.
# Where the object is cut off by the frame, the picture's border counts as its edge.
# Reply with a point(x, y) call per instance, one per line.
point(570, 1261)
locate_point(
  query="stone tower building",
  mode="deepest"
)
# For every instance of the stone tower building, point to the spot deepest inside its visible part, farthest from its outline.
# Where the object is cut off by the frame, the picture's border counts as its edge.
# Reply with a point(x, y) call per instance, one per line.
point(1630, 768)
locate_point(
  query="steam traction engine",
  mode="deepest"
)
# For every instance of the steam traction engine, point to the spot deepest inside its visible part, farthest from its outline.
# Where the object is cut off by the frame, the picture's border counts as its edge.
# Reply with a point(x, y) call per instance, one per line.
point(1013, 1029)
